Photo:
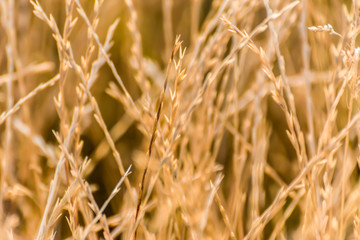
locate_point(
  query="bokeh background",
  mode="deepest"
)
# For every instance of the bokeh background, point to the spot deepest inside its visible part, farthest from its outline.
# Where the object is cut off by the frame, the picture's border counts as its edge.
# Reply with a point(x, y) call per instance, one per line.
point(236, 131)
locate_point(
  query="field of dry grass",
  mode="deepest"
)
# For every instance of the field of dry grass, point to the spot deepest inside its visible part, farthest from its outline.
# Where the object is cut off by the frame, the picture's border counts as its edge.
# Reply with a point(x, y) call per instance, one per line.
point(179, 119)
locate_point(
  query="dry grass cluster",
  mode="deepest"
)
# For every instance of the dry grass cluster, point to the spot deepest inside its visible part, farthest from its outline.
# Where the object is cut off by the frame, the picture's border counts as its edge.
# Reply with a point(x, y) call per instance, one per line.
point(179, 119)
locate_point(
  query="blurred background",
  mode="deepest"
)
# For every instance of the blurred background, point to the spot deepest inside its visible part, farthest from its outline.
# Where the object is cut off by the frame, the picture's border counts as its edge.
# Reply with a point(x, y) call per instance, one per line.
point(257, 125)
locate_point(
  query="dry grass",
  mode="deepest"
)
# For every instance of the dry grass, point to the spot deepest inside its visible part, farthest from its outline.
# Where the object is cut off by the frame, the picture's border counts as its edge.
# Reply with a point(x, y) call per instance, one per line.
point(202, 119)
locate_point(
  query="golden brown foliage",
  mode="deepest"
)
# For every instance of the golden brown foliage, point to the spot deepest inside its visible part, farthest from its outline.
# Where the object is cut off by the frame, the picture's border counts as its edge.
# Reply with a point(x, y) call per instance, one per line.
point(194, 119)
